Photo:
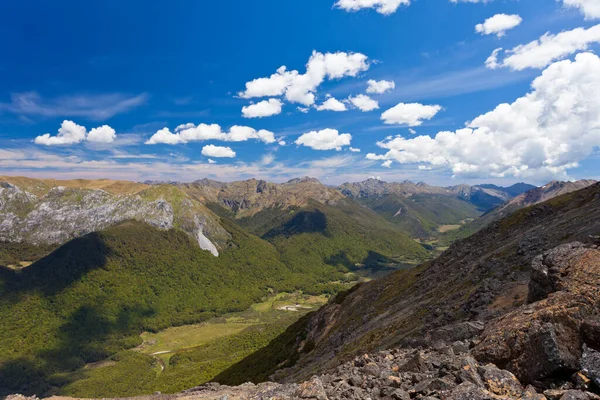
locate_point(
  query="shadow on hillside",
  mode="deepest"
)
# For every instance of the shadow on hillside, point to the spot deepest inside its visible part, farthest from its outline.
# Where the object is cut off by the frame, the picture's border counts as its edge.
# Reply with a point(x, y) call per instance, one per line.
point(374, 260)
point(60, 269)
point(303, 222)
point(91, 333)
point(279, 353)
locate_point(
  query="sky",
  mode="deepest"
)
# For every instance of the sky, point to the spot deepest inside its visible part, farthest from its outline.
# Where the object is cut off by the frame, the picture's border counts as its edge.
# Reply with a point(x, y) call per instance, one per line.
point(440, 91)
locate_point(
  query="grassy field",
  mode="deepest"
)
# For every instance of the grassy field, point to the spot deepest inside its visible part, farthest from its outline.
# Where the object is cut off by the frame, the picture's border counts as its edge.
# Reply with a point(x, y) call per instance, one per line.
point(186, 356)
point(448, 228)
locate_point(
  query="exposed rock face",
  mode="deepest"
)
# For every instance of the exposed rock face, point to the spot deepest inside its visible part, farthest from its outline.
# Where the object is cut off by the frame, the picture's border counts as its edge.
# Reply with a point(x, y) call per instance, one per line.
point(63, 213)
point(545, 339)
point(246, 198)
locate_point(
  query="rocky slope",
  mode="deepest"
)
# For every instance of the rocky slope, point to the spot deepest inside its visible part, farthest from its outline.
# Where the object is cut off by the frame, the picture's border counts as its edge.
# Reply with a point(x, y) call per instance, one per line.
point(46, 212)
point(247, 198)
point(477, 279)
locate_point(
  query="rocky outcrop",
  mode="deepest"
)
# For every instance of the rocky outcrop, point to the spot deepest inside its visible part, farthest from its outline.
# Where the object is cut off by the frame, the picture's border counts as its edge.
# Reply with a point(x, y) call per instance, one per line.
point(63, 213)
point(545, 338)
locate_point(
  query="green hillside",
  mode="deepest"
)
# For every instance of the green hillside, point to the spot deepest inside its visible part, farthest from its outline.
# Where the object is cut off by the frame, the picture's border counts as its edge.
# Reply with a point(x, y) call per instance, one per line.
point(93, 296)
point(421, 214)
point(346, 236)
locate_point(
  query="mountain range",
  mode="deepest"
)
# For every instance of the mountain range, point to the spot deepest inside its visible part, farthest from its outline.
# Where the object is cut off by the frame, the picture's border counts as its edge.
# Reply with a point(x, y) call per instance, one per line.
point(85, 266)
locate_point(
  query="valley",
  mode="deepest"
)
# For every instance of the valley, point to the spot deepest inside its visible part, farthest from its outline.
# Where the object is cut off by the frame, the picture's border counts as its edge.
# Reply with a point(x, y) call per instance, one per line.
point(169, 286)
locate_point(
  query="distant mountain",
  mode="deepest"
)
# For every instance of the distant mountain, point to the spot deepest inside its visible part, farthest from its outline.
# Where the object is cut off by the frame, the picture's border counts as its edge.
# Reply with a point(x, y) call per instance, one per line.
point(421, 209)
point(465, 291)
point(534, 196)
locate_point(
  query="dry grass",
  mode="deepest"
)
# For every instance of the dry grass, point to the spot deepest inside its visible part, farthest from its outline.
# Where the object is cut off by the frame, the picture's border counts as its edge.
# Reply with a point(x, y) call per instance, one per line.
point(40, 187)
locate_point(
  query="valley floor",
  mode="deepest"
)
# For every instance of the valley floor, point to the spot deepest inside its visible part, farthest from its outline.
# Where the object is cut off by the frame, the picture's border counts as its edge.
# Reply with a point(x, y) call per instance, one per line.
point(186, 356)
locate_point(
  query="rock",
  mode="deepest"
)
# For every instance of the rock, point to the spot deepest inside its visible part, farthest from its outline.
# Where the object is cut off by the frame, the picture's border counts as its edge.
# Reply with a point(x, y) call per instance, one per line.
point(394, 381)
point(574, 395)
point(590, 364)
point(312, 389)
point(460, 347)
point(457, 332)
point(501, 382)
point(371, 369)
point(581, 381)
point(554, 394)
point(400, 394)
point(590, 332)
point(548, 342)
point(415, 364)
point(468, 391)
point(434, 386)
point(468, 372)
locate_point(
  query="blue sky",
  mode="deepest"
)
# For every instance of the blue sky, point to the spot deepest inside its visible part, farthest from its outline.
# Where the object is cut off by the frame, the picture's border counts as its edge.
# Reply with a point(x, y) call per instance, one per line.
point(119, 72)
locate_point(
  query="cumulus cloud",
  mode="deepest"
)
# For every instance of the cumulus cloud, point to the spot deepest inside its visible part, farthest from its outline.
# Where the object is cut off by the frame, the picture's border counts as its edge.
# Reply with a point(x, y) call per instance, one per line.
point(326, 139)
point(281, 143)
point(363, 103)
point(332, 104)
point(102, 134)
point(498, 24)
point(217, 151)
point(387, 164)
point(71, 133)
point(542, 134)
point(412, 131)
point(203, 132)
point(547, 49)
point(354, 150)
point(301, 88)
point(380, 87)
point(410, 114)
point(589, 8)
point(265, 108)
point(385, 7)
point(211, 161)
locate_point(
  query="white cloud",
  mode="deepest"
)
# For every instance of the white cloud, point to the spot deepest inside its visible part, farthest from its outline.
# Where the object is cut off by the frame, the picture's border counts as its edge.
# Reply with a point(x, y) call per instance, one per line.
point(589, 8)
point(192, 133)
point(303, 110)
point(332, 104)
point(411, 114)
point(542, 134)
point(387, 164)
point(211, 161)
point(217, 151)
point(354, 150)
point(469, 1)
point(102, 134)
point(380, 87)
point(385, 7)
point(301, 88)
point(540, 53)
point(364, 103)
point(424, 168)
point(68, 133)
point(71, 133)
point(326, 139)
point(265, 108)
point(498, 24)
point(412, 131)
point(281, 143)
